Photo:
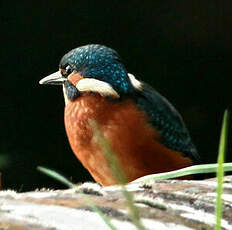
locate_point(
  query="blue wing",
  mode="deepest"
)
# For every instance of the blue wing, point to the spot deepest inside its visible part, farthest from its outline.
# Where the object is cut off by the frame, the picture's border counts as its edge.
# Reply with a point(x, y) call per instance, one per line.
point(165, 118)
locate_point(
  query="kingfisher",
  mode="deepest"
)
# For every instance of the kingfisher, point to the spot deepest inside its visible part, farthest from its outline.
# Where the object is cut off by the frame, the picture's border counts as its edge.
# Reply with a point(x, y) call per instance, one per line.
point(145, 131)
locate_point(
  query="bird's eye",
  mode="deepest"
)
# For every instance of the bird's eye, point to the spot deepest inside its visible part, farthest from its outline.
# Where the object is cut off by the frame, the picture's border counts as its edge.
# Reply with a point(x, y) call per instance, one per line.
point(67, 71)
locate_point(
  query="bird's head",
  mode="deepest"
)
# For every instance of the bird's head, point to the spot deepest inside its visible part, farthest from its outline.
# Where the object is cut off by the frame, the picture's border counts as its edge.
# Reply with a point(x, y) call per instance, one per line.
point(91, 68)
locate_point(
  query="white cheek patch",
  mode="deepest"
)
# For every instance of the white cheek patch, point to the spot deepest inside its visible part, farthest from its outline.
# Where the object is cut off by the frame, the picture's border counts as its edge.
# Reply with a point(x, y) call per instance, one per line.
point(96, 86)
point(136, 83)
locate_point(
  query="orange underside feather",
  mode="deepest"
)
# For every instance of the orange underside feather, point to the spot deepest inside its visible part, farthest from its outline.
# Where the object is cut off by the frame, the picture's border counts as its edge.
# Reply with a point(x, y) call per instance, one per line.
point(134, 141)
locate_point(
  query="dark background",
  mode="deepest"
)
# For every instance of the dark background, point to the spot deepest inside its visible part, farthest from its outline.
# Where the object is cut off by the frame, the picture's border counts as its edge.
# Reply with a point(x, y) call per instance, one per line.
point(182, 48)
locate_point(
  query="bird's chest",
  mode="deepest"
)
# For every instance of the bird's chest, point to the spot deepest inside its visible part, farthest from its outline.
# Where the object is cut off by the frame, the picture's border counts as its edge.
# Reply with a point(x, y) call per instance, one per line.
point(79, 131)
point(77, 116)
point(119, 122)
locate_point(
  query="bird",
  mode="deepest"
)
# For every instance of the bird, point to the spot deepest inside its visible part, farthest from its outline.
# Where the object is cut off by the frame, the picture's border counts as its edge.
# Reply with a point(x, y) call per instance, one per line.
point(146, 133)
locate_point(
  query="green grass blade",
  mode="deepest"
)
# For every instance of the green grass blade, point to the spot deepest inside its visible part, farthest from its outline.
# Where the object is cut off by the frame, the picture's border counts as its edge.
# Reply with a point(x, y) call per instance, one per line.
point(117, 173)
point(196, 169)
point(57, 176)
point(220, 170)
point(98, 211)
point(108, 153)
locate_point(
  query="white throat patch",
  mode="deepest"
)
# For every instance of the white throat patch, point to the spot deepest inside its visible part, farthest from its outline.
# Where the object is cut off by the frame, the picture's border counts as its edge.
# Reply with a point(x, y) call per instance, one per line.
point(97, 86)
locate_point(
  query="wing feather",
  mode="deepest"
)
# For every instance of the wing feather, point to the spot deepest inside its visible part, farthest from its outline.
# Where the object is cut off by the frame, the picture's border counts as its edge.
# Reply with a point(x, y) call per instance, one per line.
point(165, 118)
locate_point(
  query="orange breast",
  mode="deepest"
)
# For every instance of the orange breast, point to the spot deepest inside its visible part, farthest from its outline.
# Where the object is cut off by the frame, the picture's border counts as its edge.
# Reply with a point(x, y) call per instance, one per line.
point(135, 142)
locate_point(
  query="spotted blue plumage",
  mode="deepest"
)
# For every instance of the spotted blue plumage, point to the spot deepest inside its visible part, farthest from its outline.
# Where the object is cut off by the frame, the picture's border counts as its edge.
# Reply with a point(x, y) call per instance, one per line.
point(100, 62)
point(164, 117)
point(103, 63)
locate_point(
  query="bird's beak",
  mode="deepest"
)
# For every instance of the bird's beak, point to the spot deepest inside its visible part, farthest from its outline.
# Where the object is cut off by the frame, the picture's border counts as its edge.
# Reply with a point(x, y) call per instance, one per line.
point(53, 79)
